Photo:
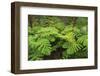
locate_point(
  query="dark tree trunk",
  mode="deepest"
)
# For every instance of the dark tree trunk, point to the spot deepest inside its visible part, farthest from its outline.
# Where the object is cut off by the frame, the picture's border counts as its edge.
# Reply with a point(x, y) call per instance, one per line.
point(55, 54)
point(64, 19)
point(74, 21)
point(30, 20)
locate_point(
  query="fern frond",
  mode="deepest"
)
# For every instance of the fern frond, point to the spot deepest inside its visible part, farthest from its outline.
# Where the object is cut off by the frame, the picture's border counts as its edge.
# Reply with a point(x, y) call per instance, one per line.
point(67, 29)
point(44, 46)
point(83, 40)
point(74, 47)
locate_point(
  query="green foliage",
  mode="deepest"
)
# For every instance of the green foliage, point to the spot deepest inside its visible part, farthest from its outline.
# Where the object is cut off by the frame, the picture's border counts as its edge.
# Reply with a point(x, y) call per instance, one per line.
point(48, 33)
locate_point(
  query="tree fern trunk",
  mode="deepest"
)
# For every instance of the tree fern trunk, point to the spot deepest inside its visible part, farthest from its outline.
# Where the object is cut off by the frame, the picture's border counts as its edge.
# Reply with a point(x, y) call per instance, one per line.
point(55, 54)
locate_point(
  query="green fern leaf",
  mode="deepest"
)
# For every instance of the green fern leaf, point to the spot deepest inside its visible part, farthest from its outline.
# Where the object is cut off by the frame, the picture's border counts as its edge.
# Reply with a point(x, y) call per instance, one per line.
point(83, 40)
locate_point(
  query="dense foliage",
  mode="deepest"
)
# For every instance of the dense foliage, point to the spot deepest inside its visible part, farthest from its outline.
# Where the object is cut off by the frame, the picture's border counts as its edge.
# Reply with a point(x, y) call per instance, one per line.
point(53, 37)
